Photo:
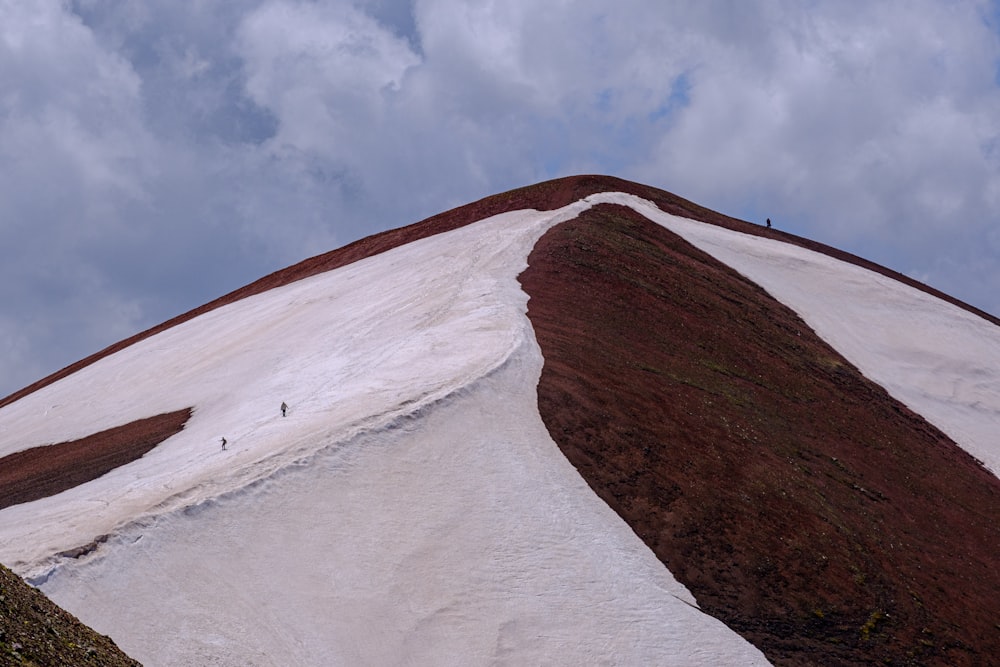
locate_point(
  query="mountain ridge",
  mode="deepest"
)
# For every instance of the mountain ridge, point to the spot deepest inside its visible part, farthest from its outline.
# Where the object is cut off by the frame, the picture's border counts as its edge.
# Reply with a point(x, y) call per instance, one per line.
point(622, 455)
point(547, 195)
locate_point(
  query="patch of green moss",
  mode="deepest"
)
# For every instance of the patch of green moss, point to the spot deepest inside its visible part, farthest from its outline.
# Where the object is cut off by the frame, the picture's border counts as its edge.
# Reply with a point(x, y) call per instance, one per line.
point(871, 624)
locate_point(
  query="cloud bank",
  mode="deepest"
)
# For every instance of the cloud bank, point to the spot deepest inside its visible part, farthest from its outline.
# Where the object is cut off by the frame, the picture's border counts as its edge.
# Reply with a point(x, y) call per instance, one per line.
point(157, 154)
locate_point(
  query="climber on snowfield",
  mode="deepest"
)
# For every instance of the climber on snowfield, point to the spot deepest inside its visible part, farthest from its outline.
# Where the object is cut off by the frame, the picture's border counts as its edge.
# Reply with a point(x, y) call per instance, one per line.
point(223, 444)
point(284, 408)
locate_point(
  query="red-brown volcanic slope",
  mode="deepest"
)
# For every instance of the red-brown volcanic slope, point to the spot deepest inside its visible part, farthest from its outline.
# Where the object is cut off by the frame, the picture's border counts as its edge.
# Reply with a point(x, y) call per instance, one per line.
point(798, 501)
point(40, 472)
point(791, 495)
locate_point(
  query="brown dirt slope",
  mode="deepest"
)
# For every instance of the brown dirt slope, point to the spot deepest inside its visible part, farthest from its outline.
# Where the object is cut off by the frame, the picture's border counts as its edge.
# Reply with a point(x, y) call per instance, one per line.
point(542, 196)
point(800, 503)
point(40, 472)
point(36, 632)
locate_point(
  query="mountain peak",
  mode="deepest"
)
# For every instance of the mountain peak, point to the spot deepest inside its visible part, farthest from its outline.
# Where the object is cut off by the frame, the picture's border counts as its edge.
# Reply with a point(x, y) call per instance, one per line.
point(583, 420)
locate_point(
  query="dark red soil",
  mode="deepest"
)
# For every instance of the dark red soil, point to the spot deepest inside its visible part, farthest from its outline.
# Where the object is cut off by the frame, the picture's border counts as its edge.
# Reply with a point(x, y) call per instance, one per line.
point(800, 503)
point(40, 472)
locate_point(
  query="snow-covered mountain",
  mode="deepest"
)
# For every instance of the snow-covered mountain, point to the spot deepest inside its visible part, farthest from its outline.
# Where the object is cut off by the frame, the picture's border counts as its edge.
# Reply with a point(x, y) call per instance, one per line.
point(585, 422)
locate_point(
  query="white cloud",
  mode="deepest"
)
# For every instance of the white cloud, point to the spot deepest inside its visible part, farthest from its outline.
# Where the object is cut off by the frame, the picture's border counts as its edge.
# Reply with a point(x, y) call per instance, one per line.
point(66, 100)
point(72, 154)
point(326, 71)
point(865, 126)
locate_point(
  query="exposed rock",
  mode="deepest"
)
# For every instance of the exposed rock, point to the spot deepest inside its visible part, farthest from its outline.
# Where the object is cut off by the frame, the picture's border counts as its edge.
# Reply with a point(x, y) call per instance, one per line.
point(35, 631)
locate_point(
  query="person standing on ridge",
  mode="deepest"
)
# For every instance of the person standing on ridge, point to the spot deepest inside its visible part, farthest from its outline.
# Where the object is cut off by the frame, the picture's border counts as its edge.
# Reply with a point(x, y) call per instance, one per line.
point(769, 223)
point(284, 408)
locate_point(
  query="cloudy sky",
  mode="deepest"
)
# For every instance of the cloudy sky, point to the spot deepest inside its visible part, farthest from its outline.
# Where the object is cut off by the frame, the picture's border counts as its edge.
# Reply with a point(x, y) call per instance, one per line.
point(156, 154)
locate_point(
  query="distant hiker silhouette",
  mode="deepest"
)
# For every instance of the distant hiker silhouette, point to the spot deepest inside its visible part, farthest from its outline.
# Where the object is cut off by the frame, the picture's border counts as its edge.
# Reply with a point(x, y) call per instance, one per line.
point(769, 223)
point(284, 408)
point(223, 444)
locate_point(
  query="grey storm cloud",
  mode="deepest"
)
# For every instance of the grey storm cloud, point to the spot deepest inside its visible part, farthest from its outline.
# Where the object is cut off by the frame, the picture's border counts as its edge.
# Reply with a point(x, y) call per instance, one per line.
point(157, 154)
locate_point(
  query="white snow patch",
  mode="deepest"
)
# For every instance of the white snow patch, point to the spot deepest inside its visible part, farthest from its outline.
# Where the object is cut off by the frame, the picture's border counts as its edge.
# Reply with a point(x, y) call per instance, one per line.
point(411, 508)
point(348, 350)
point(463, 537)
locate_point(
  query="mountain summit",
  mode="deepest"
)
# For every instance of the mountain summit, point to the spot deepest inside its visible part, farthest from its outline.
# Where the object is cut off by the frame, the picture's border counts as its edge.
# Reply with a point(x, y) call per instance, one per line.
point(581, 422)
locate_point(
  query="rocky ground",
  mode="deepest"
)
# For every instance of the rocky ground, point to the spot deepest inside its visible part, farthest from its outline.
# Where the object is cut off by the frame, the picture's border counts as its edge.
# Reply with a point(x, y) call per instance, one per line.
point(35, 632)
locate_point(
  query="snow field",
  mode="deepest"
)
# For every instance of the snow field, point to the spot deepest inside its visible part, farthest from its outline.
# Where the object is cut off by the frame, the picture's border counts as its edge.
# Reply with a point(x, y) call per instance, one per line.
point(463, 537)
point(348, 350)
point(411, 509)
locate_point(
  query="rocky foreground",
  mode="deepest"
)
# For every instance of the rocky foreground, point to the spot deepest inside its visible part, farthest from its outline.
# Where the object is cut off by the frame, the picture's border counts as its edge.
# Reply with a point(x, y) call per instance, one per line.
point(34, 631)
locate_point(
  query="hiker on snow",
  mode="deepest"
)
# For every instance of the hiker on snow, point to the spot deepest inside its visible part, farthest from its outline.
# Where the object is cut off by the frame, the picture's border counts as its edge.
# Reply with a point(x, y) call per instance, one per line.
point(284, 408)
point(223, 444)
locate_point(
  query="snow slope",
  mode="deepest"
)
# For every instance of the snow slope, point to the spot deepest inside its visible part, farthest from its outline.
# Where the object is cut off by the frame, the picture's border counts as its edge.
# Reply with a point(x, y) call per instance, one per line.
point(410, 509)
